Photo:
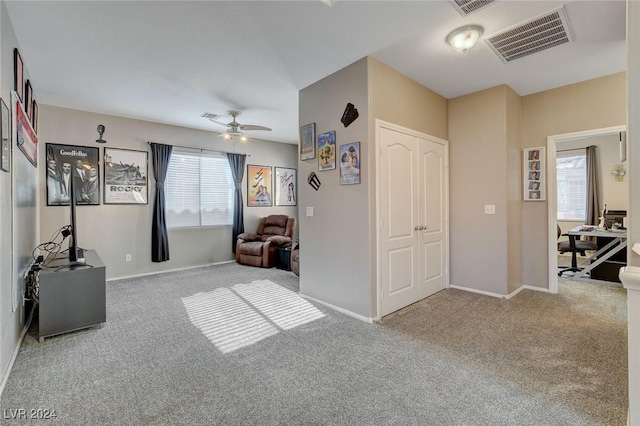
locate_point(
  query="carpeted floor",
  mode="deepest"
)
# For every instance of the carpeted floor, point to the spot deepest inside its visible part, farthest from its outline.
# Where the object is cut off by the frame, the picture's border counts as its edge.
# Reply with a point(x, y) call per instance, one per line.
point(234, 345)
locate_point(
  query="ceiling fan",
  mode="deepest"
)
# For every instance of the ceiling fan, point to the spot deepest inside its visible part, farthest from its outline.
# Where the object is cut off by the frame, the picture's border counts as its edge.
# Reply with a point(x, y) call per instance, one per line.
point(234, 129)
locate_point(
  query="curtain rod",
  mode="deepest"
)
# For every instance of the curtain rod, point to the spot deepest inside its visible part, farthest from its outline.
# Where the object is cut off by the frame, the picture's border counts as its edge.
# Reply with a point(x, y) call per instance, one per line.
point(203, 149)
point(573, 149)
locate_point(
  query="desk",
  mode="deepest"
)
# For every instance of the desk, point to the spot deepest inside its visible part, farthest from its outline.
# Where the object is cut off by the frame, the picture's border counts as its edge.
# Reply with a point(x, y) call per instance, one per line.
point(618, 242)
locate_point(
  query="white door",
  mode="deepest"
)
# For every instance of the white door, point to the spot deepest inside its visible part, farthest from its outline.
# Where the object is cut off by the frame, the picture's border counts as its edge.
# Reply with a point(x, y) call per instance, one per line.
point(412, 211)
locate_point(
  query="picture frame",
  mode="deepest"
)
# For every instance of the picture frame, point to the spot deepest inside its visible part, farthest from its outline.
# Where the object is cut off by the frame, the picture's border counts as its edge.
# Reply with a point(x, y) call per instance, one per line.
point(308, 141)
point(534, 174)
point(286, 187)
point(18, 74)
point(34, 118)
point(259, 186)
point(327, 151)
point(65, 160)
point(26, 139)
point(5, 137)
point(126, 173)
point(350, 163)
point(28, 100)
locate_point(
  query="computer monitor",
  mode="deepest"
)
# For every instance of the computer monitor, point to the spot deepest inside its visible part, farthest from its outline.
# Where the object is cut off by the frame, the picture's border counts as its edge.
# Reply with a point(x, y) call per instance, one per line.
point(614, 216)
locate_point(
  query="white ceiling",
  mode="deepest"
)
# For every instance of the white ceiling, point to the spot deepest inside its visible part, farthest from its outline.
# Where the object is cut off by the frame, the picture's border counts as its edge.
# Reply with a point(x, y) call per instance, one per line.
point(171, 61)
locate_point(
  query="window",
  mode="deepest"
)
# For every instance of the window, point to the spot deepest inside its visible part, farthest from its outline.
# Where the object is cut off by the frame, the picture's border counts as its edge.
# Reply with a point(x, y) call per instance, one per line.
point(571, 178)
point(199, 190)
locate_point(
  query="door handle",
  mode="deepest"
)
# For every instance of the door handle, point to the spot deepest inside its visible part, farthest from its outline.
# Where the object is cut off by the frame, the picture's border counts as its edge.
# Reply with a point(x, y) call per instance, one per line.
point(416, 228)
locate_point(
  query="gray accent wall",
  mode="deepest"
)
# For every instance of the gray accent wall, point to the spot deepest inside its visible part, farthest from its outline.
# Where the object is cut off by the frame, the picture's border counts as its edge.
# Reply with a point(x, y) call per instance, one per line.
point(115, 230)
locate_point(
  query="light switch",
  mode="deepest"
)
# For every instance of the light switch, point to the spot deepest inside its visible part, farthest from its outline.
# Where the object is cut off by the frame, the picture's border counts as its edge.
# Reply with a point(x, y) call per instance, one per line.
point(489, 209)
point(309, 211)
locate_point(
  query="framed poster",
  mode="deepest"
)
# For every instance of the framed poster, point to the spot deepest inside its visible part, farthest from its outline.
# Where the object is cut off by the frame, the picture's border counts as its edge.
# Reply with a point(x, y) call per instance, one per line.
point(308, 141)
point(350, 163)
point(5, 137)
point(26, 140)
point(534, 176)
point(18, 74)
point(259, 186)
point(327, 151)
point(286, 187)
point(28, 100)
point(34, 117)
point(63, 161)
point(125, 176)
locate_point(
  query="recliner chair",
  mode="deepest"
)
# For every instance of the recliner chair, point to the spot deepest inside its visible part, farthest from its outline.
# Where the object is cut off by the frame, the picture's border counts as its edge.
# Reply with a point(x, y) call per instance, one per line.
point(259, 249)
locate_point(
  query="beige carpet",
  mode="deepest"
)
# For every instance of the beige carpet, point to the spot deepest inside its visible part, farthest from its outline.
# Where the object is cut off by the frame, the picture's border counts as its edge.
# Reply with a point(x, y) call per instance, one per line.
point(570, 347)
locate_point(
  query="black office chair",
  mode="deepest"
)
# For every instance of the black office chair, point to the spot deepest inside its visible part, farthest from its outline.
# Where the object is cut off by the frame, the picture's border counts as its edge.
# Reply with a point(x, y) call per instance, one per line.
point(581, 246)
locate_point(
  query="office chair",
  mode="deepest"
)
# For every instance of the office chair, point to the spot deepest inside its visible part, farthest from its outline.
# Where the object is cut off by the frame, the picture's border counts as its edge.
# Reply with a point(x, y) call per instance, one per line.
point(581, 246)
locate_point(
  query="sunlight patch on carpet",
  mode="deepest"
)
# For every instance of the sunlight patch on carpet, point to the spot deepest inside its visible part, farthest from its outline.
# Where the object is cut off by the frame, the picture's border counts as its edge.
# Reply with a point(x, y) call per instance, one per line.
point(244, 314)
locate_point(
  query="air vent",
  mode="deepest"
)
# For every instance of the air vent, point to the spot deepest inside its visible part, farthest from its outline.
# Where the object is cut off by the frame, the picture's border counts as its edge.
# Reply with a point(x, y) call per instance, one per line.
point(541, 33)
point(467, 7)
point(210, 116)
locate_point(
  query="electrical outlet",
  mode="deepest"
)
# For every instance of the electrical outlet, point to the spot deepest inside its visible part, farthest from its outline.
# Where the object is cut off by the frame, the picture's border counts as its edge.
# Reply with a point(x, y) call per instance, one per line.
point(127, 258)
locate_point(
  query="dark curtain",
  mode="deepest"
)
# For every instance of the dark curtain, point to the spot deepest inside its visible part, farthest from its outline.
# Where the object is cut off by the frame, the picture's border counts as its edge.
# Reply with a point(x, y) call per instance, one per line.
point(160, 155)
point(593, 190)
point(236, 162)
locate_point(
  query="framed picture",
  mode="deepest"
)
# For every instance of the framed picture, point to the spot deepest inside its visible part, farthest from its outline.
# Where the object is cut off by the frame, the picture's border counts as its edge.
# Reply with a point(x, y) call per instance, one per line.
point(34, 117)
point(308, 141)
point(18, 74)
point(259, 186)
point(327, 151)
point(5, 137)
point(28, 99)
point(286, 187)
point(26, 139)
point(64, 161)
point(534, 174)
point(350, 163)
point(125, 176)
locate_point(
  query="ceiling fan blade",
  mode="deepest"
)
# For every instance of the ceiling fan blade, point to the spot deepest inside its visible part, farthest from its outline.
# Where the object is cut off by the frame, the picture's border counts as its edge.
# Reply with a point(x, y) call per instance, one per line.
point(253, 127)
point(219, 122)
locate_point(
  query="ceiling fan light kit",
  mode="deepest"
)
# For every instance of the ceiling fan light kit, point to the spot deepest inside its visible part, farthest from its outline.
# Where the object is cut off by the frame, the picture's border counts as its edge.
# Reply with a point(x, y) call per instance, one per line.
point(234, 129)
point(464, 38)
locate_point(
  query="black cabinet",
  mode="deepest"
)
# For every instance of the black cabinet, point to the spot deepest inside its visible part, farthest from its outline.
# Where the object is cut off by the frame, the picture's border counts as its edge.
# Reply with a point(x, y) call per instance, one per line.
point(283, 260)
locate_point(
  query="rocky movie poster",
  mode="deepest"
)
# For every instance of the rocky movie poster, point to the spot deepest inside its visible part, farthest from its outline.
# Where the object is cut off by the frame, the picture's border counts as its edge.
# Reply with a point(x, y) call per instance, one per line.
point(65, 162)
point(125, 176)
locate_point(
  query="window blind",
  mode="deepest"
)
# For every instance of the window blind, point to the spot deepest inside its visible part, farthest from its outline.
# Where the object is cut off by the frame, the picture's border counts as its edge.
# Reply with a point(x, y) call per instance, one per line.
point(571, 179)
point(198, 190)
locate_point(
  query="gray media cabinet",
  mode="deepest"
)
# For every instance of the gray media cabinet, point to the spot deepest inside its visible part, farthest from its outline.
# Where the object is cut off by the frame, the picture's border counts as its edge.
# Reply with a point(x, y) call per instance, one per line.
point(72, 297)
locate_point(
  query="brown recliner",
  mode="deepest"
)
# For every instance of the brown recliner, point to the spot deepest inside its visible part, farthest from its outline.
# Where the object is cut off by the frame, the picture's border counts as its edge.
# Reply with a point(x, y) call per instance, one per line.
point(259, 249)
point(295, 257)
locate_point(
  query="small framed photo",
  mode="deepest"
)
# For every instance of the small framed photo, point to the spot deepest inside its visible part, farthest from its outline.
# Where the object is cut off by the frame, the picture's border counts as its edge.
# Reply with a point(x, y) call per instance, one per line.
point(350, 163)
point(18, 74)
point(308, 141)
point(34, 117)
point(125, 176)
point(259, 186)
point(28, 100)
point(534, 174)
point(286, 187)
point(5, 137)
point(327, 151)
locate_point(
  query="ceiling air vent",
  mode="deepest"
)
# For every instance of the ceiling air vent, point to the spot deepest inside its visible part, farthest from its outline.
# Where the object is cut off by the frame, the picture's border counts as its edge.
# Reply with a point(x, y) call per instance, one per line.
point(467, 7)
point(541, 33)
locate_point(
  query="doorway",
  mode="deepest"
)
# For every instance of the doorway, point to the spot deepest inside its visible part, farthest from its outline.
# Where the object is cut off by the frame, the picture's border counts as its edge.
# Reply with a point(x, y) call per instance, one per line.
point(552, 145)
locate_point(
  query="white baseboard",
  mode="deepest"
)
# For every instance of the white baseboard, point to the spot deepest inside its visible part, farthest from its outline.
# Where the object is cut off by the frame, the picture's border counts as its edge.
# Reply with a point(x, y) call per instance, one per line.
point(5, 377)
point(337, 308)
point(500, 296)
point(169, 270)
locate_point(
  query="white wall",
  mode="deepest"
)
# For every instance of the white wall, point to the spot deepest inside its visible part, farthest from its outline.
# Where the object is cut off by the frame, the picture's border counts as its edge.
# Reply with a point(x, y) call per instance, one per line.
point(116, 230)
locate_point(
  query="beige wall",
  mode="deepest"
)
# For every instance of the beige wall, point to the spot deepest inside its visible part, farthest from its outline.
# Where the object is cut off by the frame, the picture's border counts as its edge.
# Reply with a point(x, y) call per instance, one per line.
point(115, 230)
point(588, 105)
point(479, 173)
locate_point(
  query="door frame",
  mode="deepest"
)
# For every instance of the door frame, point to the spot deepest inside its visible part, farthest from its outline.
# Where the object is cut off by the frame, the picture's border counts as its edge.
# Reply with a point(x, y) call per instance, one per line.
point(379, 124)
point(552, 203)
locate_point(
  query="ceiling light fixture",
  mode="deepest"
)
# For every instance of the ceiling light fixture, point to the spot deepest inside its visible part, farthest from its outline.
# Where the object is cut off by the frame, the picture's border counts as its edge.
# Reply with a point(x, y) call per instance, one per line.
point(230, 136)
point(464, 38)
